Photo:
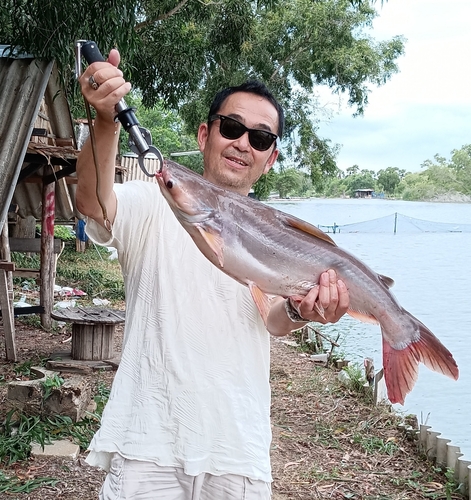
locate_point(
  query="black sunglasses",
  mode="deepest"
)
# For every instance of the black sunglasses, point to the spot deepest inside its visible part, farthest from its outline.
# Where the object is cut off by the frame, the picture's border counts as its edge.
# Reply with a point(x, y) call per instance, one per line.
point(261, 140)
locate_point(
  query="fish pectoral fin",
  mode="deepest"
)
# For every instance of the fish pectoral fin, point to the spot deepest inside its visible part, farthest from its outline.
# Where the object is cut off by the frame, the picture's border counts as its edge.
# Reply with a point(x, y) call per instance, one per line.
point(386, 280)
point(363, 316)
point(215, 243)
point(308, 228)
point(261, 301)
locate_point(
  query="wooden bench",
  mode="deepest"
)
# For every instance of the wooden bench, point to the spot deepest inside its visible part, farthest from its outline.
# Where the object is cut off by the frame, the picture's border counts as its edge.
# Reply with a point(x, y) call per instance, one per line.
point(31, 245)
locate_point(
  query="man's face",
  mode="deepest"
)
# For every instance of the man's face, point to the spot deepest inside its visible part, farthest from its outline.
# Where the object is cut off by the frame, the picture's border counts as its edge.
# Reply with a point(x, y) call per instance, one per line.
point(233, 163)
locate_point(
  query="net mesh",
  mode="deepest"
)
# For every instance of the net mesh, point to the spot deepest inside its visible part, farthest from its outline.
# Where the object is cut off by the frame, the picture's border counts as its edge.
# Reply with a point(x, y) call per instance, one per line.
point(396, 223)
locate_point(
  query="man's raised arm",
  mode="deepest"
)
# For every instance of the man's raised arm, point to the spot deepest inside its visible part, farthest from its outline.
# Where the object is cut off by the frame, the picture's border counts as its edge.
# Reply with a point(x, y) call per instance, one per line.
point(111, 89)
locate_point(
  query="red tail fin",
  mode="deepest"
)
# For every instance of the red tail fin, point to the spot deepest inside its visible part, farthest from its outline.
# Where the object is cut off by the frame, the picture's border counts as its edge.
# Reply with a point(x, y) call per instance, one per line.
point(401, 366)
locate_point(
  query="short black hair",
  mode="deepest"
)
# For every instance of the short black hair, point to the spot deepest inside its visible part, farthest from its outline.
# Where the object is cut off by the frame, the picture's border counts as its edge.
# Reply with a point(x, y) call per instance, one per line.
point(251, 87)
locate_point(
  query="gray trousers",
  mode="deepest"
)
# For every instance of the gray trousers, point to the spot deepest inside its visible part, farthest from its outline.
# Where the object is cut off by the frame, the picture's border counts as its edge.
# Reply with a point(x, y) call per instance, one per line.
point(138, 480)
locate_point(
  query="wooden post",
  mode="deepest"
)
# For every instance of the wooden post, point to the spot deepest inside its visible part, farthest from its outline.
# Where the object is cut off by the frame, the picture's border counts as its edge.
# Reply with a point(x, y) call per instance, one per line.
point(7, 312)
point(5, 254)
point(47, 272)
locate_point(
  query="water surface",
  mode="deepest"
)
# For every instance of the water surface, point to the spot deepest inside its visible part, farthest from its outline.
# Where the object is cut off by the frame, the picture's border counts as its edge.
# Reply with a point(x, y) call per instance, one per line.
point(431, 273)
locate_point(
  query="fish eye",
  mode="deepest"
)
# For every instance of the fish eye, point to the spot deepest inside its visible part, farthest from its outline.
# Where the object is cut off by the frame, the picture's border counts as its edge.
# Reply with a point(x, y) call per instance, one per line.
point(169, 184)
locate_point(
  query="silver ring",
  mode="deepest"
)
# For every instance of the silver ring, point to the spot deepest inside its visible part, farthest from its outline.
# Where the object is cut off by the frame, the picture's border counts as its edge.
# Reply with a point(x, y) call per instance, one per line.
point(93, 84)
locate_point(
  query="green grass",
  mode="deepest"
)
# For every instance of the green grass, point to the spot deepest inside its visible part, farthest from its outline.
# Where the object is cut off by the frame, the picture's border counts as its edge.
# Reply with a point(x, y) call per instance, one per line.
point(373, 444)
point(90, 271)
point(18, 431)
point(51, 383)
point(11, 484)
point(100, 277)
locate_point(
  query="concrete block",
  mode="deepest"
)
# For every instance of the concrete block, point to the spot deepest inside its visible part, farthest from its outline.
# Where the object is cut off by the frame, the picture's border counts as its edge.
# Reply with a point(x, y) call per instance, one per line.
point(71, 399)
point(63, 448)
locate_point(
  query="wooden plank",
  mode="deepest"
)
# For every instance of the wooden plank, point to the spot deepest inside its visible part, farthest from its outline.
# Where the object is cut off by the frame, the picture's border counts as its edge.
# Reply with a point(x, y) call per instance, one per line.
point(7, 266)
point(89, 315)
point(23, 272)
point(24, 311)
point(32, 245)
point(7, 318)
point(92, 342)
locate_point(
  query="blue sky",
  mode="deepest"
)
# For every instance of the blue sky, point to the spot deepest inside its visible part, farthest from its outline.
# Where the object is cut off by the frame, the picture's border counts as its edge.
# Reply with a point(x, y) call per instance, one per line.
point(425, 108)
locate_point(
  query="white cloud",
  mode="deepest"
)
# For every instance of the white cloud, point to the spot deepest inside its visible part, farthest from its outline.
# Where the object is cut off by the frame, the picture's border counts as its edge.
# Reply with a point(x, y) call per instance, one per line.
point(426, 108)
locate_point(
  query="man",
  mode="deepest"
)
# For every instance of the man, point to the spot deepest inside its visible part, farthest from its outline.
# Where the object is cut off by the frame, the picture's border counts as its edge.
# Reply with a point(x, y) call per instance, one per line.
point(188, 414)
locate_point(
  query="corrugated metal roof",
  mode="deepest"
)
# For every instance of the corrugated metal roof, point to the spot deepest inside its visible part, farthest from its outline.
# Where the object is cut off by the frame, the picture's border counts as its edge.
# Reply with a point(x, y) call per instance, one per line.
point(31, 96)
point(130, 169)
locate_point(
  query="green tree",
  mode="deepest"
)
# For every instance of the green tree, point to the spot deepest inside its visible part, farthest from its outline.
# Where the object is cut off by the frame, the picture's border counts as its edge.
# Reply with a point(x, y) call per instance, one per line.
point(415, 186)
point(335, 188)
point(389, 179)
point(264, 186)
point(362, 180)
point(288, 182)
point(353, 170)
point(183, 52)
point(461, 164)
point(167, 130)
point(450, 176)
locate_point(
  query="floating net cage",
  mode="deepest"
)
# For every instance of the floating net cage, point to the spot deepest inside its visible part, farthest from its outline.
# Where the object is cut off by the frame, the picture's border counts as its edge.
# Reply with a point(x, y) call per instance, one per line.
point(398, 223)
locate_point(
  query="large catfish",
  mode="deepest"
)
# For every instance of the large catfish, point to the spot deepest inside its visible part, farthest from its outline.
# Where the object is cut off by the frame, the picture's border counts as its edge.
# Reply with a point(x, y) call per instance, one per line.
point(274, 253)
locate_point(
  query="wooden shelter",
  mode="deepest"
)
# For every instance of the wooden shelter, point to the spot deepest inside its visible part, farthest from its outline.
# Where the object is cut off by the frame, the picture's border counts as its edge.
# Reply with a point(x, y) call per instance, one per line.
point(37, 172)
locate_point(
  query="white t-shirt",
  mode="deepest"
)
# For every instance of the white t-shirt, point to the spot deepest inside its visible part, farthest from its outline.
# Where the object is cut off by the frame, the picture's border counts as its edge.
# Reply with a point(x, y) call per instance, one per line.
point(192, 389)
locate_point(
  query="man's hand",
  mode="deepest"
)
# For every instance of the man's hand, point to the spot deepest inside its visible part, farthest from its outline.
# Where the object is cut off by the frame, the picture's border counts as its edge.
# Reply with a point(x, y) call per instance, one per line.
point(112, 86)
point(327, 302)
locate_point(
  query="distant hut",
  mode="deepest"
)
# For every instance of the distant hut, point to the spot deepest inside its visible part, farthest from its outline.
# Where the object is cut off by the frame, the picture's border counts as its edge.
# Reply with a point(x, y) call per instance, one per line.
point(364, 193)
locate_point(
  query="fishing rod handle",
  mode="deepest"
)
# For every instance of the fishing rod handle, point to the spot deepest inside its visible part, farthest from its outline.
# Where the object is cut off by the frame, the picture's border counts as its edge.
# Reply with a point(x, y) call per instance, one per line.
point(91, 52)
point(125, 114)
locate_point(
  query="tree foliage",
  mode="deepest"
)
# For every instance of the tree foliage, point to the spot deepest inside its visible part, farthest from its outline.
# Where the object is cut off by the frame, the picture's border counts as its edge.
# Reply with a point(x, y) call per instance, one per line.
point(440, 179)
point(182, 52)
point(288, 181)
point(389, 178)
point(167, 127)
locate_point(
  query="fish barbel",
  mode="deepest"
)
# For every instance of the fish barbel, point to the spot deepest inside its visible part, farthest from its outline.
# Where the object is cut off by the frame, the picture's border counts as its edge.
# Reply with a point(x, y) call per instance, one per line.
point(274, 253)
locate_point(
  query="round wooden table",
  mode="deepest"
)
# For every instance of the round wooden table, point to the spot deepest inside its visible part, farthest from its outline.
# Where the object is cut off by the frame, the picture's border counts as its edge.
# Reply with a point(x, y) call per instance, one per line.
point(92, 330)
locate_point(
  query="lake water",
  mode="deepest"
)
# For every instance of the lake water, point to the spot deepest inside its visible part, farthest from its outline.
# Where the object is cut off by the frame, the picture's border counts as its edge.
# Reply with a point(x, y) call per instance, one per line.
point(432, 281)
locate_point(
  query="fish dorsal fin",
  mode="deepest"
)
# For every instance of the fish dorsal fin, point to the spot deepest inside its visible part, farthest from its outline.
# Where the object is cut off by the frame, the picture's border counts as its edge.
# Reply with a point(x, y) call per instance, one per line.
point(261, 301)
point(308, 228)
point(215, 243)
point(386, 280)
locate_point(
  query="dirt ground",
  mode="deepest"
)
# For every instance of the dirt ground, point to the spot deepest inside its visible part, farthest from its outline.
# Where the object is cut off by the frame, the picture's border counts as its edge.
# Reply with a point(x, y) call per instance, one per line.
point(328, 442)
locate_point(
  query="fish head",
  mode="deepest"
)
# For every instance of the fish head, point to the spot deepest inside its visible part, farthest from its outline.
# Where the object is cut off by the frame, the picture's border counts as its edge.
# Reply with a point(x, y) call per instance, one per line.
point(182, 188)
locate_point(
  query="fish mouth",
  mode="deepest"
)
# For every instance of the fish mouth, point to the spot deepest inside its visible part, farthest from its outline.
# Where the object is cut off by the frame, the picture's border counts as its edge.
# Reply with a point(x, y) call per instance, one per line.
point(163, 173)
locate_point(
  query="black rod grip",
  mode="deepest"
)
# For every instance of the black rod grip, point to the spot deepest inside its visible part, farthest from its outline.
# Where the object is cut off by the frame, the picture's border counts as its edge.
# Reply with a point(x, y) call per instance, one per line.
point(91, 52)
